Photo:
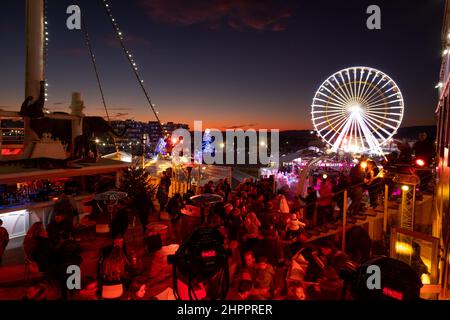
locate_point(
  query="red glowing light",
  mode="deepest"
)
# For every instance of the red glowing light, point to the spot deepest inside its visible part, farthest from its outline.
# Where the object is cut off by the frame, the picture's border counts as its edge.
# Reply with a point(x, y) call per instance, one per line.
point(208, 254)
point(393, 293)
point(11, 152)
point(420, 162)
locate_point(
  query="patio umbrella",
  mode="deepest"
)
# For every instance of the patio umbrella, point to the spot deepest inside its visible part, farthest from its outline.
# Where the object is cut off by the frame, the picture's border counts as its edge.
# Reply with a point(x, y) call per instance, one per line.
point(111, 196)
point(205, 199)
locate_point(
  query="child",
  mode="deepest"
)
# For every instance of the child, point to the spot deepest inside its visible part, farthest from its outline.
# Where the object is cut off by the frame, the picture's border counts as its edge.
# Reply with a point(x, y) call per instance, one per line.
point(293, 227)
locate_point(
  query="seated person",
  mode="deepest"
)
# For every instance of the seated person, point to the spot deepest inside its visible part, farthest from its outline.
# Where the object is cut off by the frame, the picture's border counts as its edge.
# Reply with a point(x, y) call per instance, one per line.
point(37, 246)
point(263, 278)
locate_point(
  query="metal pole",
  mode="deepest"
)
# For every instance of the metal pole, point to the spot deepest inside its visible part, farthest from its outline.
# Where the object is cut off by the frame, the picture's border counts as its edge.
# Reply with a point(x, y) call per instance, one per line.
point(386, 203)
point(344, 220)
point(34, 55)
point(34, 61)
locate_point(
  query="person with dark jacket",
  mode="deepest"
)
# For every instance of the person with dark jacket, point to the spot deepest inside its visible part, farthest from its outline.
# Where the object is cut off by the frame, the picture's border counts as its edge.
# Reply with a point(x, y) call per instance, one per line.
point(357, 174)
point(120, 222)
point(226, 188)
point(338, 192)
point(59, 228)
point(424, 148)
point(174, 206)
point(310, 205)
point(373, 183)
point(67, 253)
point(162, 197)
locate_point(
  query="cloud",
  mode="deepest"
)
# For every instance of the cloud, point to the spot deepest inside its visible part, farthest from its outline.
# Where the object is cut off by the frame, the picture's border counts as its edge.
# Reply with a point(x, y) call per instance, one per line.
point(242, 126)
point(129, 40)
point(235, 14)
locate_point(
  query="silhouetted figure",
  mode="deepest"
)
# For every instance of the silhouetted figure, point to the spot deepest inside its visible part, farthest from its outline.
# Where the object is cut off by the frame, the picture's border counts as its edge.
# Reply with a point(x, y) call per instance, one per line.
point(4, 239)
point(34, 109)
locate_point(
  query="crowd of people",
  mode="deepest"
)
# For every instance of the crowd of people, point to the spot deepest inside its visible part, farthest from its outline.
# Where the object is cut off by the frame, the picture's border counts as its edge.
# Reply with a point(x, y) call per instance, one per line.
point(267, 233)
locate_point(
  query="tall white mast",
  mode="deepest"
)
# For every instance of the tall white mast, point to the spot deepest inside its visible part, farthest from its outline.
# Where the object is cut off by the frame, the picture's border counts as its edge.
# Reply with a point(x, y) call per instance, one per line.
point(34, 32)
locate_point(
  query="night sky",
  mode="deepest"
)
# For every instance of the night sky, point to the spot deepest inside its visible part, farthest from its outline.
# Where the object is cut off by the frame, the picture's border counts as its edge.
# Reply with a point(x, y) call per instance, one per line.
point(230, 63)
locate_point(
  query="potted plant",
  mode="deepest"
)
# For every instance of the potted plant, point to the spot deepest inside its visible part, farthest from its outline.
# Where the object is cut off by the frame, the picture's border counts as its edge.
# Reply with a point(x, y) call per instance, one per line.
point(136, 183)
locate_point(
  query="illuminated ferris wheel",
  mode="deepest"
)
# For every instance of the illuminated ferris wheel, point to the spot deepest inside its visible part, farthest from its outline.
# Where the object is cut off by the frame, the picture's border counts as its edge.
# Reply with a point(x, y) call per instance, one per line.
point(357, 110)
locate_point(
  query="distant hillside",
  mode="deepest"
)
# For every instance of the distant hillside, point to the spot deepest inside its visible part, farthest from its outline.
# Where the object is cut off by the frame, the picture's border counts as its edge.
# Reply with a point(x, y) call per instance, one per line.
point(413, 132)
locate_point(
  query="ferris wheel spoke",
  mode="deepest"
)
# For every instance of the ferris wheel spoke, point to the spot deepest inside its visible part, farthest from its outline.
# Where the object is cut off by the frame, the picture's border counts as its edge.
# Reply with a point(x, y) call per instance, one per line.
point(338, 127)
point(360, 86)
point(341, 94)
point(384, 112)
point(365, 87)
point(329, 119)
point(375, 89)
point(350, 84)
point(384, 120)
point(329, 97)
point(380, 125)
point(386, 107)
point(334, 93)
point(388, 98)
point(356, 82)
point(339, 105)
point(382, 106)
point(342, 85)
point(352, 132)
point(378, 90)
point(374, 86)
point(326, 111)
point(374, 127)
point(332, 139)
point(337, 144)
point(370, 138)
point(361, 136)
point(327, 107)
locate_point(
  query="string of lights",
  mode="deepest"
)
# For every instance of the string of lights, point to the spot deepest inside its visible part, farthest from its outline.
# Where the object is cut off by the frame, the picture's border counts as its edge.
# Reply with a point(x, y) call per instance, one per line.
point(46, 44)
point(131, 60)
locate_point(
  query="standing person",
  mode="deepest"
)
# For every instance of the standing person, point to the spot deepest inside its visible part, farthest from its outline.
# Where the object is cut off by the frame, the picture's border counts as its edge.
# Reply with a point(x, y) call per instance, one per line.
point(226, 189)
point(338, 192)
point(324, 203)
point(209, 187)
point(165, 181)
point(67, 253)
point(234, 223)
point(120, 222)
point(310, 205)
point(372, 182)
point(357, 174)
point(424, 148)
point(162, 197)
point(4, 239)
